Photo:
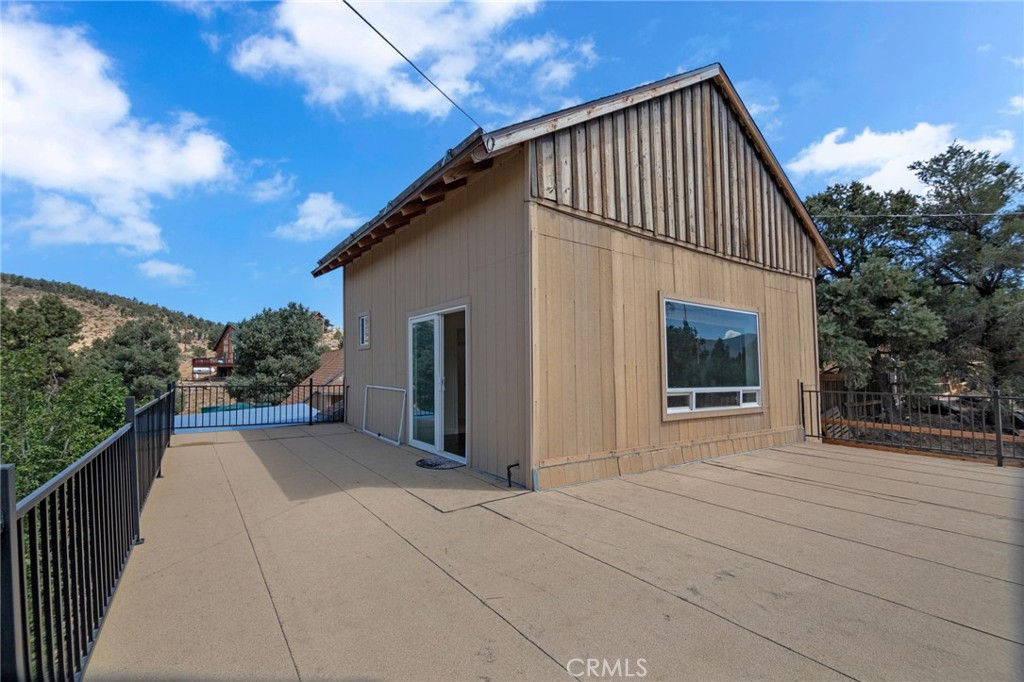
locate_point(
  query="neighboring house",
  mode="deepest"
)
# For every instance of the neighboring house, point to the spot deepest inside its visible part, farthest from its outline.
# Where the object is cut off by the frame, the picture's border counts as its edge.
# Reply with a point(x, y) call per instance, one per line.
point(328, 383)
point(322, 321)
point(615, 287)
point(222, 364)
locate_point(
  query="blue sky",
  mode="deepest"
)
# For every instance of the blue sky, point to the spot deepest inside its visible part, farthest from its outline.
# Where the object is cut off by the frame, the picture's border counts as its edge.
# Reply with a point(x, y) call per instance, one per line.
point(203, 156)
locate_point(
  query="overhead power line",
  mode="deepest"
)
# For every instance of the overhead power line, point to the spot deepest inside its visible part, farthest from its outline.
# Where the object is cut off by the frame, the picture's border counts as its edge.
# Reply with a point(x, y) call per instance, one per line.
point(917, 215)
point(410, 62)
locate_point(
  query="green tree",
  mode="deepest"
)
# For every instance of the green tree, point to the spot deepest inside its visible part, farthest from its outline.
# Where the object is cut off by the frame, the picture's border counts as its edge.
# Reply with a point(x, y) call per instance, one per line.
point(684, 365)
point(874, 319)
point(54, 409)
point(212, 336)
point(877, 324)
point(974, 252)
point(142, 353)
point(274, 351)
point(858, 222)
point(48, 326)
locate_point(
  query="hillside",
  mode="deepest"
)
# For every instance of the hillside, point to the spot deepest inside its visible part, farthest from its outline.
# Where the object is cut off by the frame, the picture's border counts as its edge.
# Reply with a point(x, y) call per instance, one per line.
point(102, 313)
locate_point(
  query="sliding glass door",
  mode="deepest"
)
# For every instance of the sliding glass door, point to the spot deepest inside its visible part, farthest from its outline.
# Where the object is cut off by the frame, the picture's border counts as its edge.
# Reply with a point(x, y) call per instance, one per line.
point(438, 383)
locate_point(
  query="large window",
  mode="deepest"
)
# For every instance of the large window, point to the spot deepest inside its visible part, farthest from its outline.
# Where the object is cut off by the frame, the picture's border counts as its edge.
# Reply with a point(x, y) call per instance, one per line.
point(711, 358)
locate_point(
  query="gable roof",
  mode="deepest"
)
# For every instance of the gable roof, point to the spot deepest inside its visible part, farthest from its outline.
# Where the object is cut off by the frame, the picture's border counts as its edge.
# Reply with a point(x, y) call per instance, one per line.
point(227, 329)
point(476, 153)
point(330, 371)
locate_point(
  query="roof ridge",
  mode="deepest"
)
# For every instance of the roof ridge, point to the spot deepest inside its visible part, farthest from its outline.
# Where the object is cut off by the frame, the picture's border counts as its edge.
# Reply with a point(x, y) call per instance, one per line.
point(480, 148)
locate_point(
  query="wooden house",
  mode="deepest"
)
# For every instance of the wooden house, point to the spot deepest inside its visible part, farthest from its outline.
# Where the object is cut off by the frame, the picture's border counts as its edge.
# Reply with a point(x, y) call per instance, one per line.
point(222, 364)
point(615, 287)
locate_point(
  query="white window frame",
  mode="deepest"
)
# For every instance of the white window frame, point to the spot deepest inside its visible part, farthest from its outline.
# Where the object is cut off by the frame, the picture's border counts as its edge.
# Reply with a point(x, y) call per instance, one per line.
point(692, 392)
point(363, 330)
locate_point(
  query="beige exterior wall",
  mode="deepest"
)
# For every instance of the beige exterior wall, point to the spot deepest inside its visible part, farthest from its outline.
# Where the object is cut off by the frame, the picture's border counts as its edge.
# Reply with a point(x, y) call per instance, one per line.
point(597, 346)
point(562, 252)
point(469, 249)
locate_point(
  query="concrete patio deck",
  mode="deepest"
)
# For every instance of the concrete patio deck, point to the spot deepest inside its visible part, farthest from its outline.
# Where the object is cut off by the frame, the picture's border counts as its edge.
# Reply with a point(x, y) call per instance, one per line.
point(319, 553)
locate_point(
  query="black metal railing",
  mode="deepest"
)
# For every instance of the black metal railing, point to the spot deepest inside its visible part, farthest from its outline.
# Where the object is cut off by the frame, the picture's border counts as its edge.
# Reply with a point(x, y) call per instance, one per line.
point(985, 426)
point(204, 405)
point(64, 547)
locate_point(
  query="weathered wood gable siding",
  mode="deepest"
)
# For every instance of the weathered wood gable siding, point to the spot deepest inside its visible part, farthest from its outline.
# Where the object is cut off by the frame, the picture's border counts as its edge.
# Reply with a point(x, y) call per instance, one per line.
point(472, 248)
point(679, 166)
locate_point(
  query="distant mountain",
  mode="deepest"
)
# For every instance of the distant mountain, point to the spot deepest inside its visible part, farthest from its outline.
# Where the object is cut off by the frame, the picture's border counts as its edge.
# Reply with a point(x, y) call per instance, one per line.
point(102, 313)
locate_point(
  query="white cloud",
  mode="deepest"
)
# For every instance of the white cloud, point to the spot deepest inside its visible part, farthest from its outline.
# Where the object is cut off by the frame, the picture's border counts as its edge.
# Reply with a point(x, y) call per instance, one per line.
point(58, 220)
point(319, 216)
point(985, 48)
point(762, 103)
point(557, 61)
point(763, 108)
point(880, 159)
point(558, 74)
point(204, 9)
point(272, 188)
point(1015, 105)
point(68, 134)
point(759, 97)
point(212, 41)
point(336, 58)
point(1016, 61)
point(532, 50)
point(171, 273)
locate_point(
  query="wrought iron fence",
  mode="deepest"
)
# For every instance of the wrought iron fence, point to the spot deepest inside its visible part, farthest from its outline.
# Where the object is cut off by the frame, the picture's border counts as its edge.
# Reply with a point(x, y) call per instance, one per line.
point(204, 405)
point(64, 547)
point(983, 426)
point(154, 424)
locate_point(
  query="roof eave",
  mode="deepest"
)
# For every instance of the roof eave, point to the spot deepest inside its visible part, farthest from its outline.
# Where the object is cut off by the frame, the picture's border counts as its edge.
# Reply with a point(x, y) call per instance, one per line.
point(454, 157)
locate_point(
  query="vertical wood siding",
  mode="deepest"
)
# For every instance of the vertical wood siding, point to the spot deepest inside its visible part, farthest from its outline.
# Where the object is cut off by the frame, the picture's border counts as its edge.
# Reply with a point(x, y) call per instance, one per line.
point(472, 246)
point(680, 166)
point(598, 363)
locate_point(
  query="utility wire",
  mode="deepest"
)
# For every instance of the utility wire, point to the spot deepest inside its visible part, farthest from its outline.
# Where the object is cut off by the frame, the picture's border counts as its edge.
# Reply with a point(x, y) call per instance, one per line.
point(917, 215)
point(410, 62)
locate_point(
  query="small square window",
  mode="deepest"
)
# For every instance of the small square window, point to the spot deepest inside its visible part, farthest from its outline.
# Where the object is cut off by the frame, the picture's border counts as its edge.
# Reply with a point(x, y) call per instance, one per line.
point(679, 402)
point(707, 399)
point(364, 331)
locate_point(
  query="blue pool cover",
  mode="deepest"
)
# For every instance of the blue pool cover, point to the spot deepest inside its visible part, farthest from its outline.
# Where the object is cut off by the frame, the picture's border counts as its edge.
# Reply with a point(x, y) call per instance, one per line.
point(248, 417)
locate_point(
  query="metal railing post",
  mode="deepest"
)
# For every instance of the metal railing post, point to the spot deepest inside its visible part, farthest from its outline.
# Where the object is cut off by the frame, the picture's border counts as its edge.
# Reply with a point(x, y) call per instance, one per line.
point(13, 645)
point(997, 406)
point(133, 464)
point(172, 405)
point(310, 401)
point(803, 415)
